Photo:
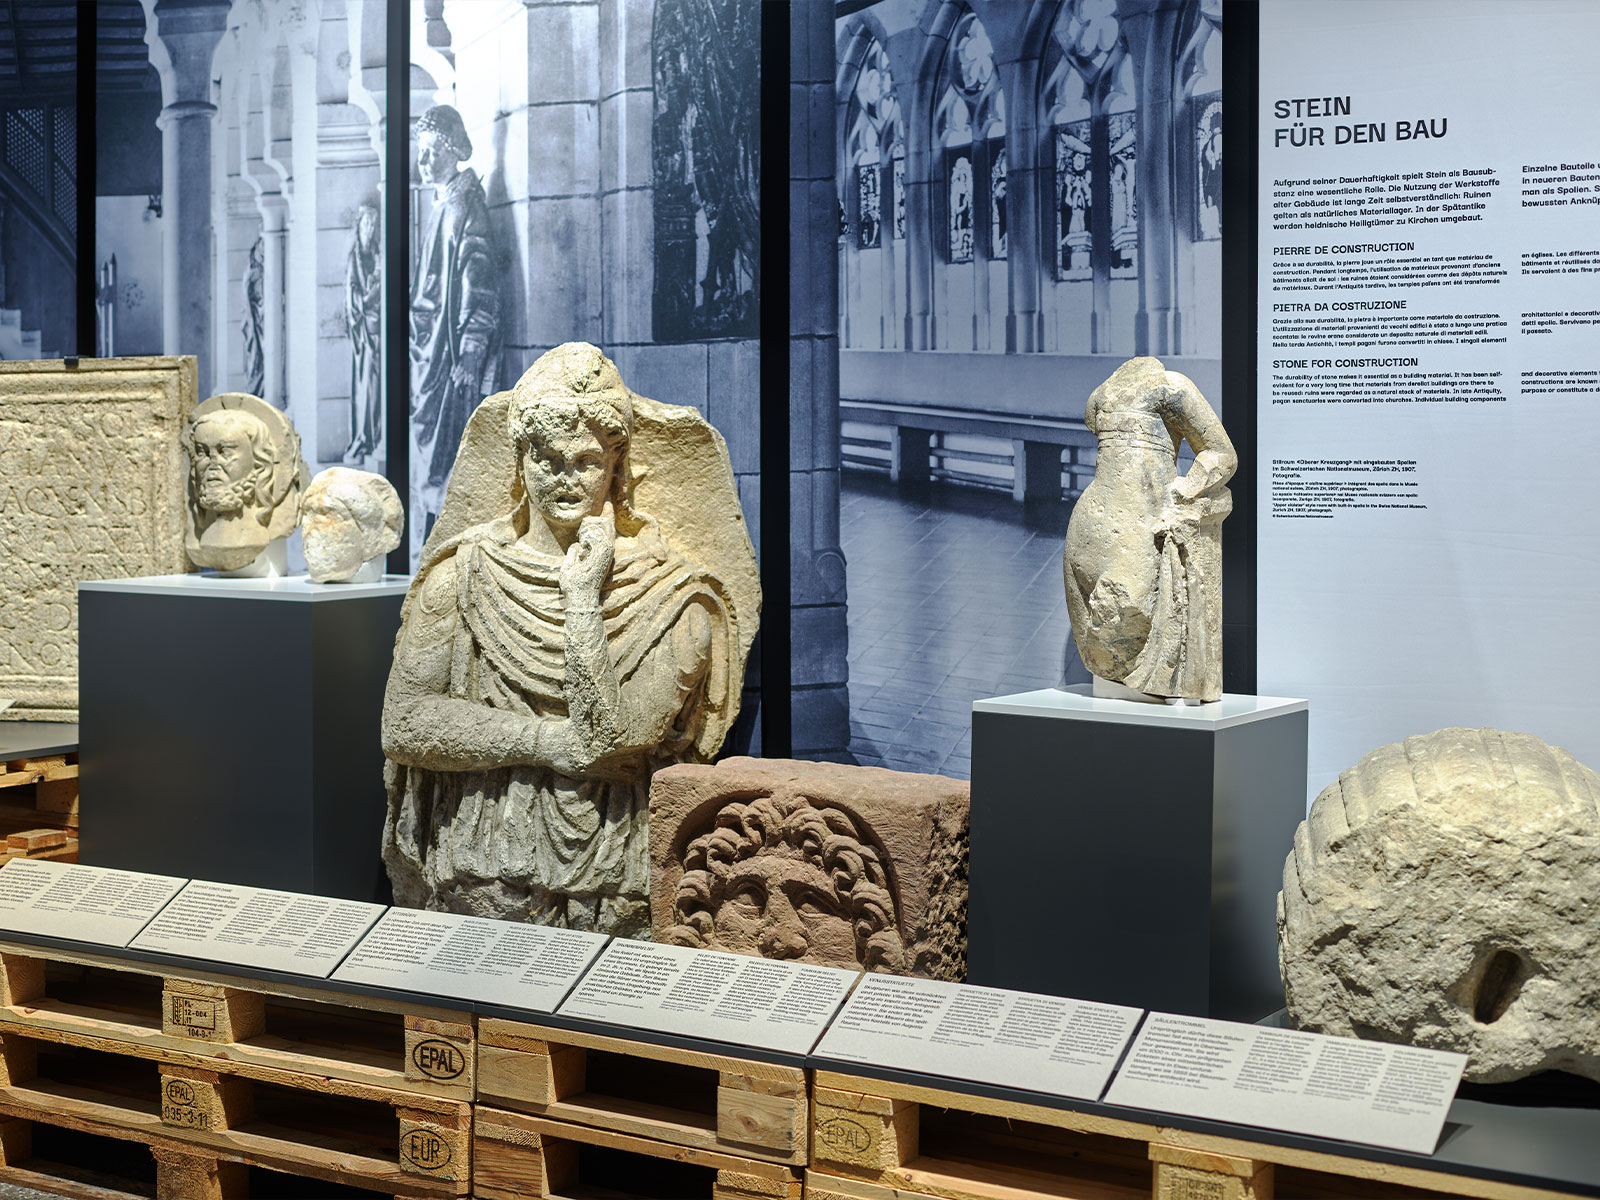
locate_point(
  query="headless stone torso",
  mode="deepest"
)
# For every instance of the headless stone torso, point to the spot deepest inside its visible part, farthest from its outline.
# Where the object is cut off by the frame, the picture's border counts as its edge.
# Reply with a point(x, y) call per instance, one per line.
point(1143, 548)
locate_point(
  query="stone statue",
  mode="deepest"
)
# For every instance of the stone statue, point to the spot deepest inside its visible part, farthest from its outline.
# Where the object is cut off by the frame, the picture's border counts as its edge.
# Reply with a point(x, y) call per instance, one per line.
point(255, 362)
point(363, 310)
point(580, 618)
point(455, 305)
point(1143, 556)
point(245, 479)
point(349, 520)
point(827, 863)
point(1441, 893)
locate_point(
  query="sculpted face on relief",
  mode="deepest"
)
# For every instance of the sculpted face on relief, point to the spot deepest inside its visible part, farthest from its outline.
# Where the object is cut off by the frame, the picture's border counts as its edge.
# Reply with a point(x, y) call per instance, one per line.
point(245, 479)
point(570, 630)
point(1143, 556)
point(792, 878)
point(348, 521)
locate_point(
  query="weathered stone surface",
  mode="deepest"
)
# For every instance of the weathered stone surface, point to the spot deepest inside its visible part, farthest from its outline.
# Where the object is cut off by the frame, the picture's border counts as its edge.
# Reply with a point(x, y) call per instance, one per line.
point(245, 480)
point(820, 862)
point(580, 618)
point(1143, 559)
point(91, 487)
point(1442, 893)
point(347, 519)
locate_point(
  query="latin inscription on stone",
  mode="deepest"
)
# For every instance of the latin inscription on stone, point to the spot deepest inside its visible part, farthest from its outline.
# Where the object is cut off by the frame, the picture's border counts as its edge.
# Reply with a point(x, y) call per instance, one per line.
point(91, 487)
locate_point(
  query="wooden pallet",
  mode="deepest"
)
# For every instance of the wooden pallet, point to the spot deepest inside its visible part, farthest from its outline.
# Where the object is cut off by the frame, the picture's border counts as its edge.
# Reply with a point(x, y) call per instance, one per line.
point(686, 1097)
point(516, 1155)
point(330, 1130)
point(39, 793)
point(876, 1140)
point(95, 1000)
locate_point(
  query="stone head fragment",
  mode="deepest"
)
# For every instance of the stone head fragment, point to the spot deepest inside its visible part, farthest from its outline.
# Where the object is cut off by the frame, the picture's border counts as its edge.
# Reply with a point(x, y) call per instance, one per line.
point(348, 518)
point(244, 482)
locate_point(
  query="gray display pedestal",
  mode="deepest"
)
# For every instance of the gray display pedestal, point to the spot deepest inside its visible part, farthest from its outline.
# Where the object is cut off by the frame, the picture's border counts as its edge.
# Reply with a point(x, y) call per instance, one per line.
point(1132, 853)
point(229, 729)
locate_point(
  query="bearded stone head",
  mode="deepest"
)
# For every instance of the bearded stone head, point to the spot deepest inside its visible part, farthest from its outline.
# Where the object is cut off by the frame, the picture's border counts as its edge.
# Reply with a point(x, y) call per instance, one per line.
point(231, 456)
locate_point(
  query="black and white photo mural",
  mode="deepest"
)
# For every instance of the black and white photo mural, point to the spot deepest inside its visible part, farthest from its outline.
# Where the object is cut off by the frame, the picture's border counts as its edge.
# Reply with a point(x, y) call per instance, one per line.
point(238, 209)
point(38, 180)
point(1031, 195)
point(583, 172)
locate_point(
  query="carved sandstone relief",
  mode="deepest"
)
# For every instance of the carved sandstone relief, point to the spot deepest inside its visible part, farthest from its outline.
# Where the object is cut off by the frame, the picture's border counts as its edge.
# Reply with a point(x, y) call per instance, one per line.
point(245, 479)
point(818, 862)
point(348, 521)
point(91, 487)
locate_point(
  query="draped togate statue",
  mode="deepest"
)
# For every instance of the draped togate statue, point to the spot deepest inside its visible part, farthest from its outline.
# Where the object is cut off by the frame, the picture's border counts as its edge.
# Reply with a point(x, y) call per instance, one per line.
point(580, 618)
point(1143, 556)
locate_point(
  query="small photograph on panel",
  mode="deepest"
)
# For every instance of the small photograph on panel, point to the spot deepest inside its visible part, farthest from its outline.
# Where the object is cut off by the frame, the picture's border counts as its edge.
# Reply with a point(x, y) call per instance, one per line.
point(1024, 203)
point(271, 275)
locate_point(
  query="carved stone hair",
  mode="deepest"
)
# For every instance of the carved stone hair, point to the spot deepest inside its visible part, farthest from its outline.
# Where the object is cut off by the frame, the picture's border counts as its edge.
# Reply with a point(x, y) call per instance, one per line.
point(795, 827)
point(575, 384)
point(445, 123)
point(263, 451)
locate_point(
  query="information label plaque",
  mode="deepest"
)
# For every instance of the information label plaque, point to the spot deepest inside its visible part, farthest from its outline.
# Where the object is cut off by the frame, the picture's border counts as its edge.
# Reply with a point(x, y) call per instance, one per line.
point(1016, 1039)
point(1393, 1096)
point(257, 927)
point(472, 958)
point(709, 994)
point(83, 903)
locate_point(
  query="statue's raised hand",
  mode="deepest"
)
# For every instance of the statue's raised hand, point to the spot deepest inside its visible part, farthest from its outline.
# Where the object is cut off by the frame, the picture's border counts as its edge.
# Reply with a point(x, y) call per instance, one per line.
point(588, 559)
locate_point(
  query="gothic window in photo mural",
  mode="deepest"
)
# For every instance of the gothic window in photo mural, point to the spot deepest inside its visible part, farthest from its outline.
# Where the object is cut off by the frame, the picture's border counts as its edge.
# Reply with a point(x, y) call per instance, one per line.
point(39, 183)
point(970, 123)
point(273, 280)
point(707, 162)
point(1077, 270)
point(869, 217)
point(1089, 99)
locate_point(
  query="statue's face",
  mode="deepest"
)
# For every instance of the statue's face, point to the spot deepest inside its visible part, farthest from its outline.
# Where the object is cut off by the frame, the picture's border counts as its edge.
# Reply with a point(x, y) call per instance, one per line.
point(568, 474)
point(366, 226)
point(435, 159)
point(223, 462)
point(334, 540)
point(785, 907)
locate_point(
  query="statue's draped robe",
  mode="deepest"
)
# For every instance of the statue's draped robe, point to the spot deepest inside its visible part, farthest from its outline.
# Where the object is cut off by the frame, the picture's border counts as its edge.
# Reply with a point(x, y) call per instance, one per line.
point(527, 842)
point(455, 307)
point(363, 306)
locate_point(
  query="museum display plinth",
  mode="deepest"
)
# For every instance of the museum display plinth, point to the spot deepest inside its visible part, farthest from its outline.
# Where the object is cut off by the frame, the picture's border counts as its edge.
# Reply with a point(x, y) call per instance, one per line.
point(229, 728)
point(1130, 852)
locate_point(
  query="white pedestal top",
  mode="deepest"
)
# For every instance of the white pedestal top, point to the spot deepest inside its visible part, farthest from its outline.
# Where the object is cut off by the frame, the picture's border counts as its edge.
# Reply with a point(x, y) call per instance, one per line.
point(289, 587)
point(1077, 703)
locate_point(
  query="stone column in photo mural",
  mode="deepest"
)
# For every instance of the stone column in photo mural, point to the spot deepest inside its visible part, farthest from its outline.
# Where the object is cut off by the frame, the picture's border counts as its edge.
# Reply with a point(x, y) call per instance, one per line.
point(820, 670)
point(186, 37)
point(580, 618)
